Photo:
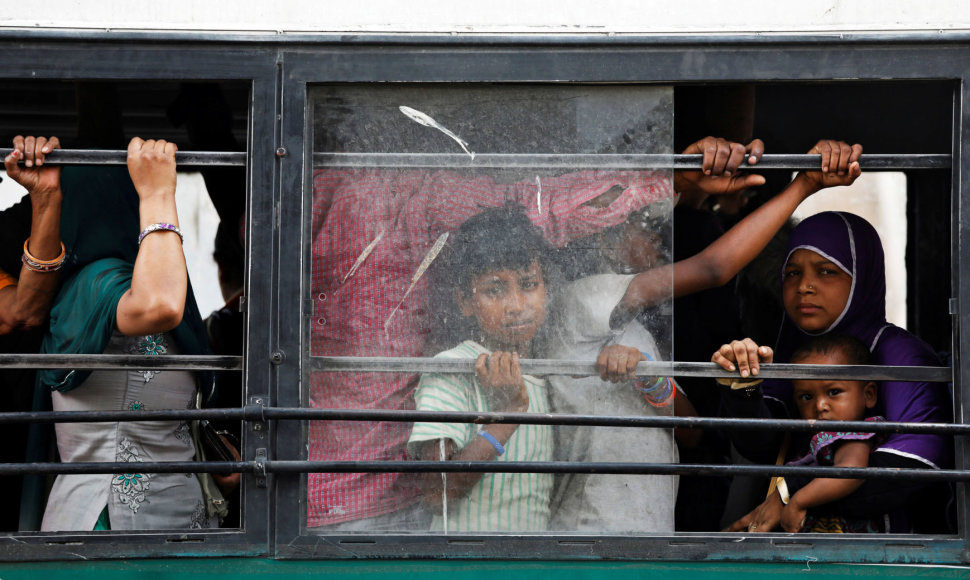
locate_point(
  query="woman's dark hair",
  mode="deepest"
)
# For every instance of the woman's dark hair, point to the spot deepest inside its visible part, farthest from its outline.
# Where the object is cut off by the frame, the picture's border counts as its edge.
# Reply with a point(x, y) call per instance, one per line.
point(501, 238)
point(854, 350)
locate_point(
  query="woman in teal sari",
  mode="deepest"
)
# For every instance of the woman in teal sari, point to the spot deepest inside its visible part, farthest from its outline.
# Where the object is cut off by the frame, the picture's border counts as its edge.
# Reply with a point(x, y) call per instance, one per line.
point(124, 292)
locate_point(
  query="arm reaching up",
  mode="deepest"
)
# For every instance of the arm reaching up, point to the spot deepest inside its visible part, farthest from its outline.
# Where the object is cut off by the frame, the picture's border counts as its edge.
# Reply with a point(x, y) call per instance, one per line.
point(25, 304)
point(724, 258)
point(156, 299)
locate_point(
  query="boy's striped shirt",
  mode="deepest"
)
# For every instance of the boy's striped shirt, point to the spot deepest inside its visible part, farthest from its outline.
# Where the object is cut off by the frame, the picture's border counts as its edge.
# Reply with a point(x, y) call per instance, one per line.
point(499, 501)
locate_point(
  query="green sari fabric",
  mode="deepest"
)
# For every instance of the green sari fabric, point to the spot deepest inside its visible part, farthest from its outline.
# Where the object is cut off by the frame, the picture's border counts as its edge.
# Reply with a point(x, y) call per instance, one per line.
point(99, 228)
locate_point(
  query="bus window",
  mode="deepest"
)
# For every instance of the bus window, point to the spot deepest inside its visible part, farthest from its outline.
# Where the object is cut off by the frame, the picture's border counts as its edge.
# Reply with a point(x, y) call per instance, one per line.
point(365, 161)
point(89, 115)
point(365, 130)
point(455, 222)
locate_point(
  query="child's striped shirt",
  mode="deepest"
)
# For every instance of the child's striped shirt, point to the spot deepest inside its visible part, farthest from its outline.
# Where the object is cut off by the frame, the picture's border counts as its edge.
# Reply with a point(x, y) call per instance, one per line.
point(499, 501)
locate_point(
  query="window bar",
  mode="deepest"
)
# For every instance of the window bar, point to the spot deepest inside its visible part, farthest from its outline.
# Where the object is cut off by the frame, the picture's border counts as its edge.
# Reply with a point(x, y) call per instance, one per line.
point(537, 367)
point(503, 160)
point(121, 361)
point(545, 367)
point(633, 161)
point(624, 468)
point(120, 157)
point(262, 414)
point(631, 468)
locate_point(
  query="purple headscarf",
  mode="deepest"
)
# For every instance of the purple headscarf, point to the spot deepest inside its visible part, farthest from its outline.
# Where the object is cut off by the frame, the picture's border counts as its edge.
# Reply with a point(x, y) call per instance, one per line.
point(852, 244)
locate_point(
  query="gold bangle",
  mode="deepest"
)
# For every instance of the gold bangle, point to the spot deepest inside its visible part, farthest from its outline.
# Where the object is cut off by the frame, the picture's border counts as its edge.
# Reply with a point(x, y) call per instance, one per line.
point(782, 488)
point(34, 260)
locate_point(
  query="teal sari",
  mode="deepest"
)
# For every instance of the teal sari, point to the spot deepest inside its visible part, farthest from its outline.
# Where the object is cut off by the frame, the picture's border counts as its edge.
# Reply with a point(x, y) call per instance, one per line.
point(99, 228)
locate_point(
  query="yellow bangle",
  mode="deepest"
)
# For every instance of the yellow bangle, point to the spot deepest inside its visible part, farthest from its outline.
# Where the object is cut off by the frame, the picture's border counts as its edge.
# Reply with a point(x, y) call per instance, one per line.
point(782, 488)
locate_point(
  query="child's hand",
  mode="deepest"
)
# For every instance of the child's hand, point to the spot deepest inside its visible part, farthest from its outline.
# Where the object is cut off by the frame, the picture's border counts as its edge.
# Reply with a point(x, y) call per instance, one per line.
point(793, 517)
point(501, 377)
point(840, 164)
point(742, 355)
point(151, 165)
point(617, 363)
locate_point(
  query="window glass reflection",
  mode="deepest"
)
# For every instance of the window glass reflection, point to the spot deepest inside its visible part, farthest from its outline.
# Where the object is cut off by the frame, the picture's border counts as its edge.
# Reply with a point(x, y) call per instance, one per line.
point(496, 224)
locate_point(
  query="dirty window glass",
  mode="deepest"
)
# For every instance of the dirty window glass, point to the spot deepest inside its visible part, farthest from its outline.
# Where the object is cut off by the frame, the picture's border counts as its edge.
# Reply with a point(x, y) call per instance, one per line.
point(456, 221)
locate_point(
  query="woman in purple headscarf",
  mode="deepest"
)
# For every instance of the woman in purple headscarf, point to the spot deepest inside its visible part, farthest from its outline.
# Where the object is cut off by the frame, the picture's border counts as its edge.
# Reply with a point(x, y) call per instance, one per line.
point(834, 281)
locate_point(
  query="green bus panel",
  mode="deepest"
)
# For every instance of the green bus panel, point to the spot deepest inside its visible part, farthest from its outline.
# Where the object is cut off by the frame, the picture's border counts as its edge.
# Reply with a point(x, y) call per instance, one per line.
point(213, 569)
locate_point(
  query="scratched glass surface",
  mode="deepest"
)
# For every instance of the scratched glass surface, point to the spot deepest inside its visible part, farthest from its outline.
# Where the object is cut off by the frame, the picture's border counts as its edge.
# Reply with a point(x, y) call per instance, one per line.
point(451, 221)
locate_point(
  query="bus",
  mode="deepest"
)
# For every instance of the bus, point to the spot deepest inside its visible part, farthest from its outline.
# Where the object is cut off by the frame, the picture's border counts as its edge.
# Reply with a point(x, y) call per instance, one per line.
point(269, 104)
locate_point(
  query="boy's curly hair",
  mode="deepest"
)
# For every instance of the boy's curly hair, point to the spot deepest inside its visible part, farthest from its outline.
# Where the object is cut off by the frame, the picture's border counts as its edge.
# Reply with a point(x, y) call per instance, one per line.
point(502, 238)
point(496, 239)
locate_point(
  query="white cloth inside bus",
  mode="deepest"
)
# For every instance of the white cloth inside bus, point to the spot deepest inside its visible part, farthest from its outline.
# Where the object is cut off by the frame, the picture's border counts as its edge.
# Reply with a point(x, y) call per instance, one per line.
point(135, 501)
point(596, 502)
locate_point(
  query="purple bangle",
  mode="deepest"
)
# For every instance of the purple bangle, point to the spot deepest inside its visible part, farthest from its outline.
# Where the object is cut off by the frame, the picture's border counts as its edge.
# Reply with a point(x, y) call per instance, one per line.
point(160, 227)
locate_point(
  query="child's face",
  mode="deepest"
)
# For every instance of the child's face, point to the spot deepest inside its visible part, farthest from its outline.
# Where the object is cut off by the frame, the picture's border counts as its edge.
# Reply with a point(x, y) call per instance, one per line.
point(509, 306)
point(832, 400)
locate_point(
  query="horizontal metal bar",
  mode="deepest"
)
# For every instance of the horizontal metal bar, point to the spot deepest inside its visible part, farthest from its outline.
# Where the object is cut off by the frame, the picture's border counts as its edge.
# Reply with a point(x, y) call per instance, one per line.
point(577, 161)
point(502, 160)
point(278, 466)
point(127, 467)
point(628, 468)
point(118, 157)
point(120, 361)
point(250, 413)
point(461, 38)
point(537, 367)
point(548, 367)
point(262, 414)
point(730, 424)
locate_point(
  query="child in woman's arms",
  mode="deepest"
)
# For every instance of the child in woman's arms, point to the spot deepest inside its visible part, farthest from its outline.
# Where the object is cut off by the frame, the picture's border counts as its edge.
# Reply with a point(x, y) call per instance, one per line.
point(832, 400)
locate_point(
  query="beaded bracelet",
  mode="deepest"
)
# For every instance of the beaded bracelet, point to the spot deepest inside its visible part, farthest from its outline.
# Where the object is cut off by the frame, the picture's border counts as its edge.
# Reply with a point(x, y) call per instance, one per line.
point(42, 266)
point(659, 394)
point(491, 439)
point(158, 227)
point(641, 385)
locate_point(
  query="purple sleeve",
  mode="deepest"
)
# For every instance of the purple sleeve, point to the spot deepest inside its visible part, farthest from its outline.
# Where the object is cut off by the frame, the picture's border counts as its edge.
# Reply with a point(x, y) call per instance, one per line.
point(913, 402)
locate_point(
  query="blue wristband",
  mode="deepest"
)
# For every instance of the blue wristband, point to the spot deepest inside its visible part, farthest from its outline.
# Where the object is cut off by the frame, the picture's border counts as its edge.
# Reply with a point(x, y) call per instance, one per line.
point(491, 439)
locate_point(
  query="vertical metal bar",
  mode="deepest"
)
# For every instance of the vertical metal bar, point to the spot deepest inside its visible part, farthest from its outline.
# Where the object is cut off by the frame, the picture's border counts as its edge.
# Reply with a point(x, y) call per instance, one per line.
point(295, 201)
point(960, 279)
point(261, 177)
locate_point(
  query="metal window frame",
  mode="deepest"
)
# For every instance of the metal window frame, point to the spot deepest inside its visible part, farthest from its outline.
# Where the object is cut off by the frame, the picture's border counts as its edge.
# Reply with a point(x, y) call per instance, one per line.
point(648, 61)
point(102, 57)
point(277, 364)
